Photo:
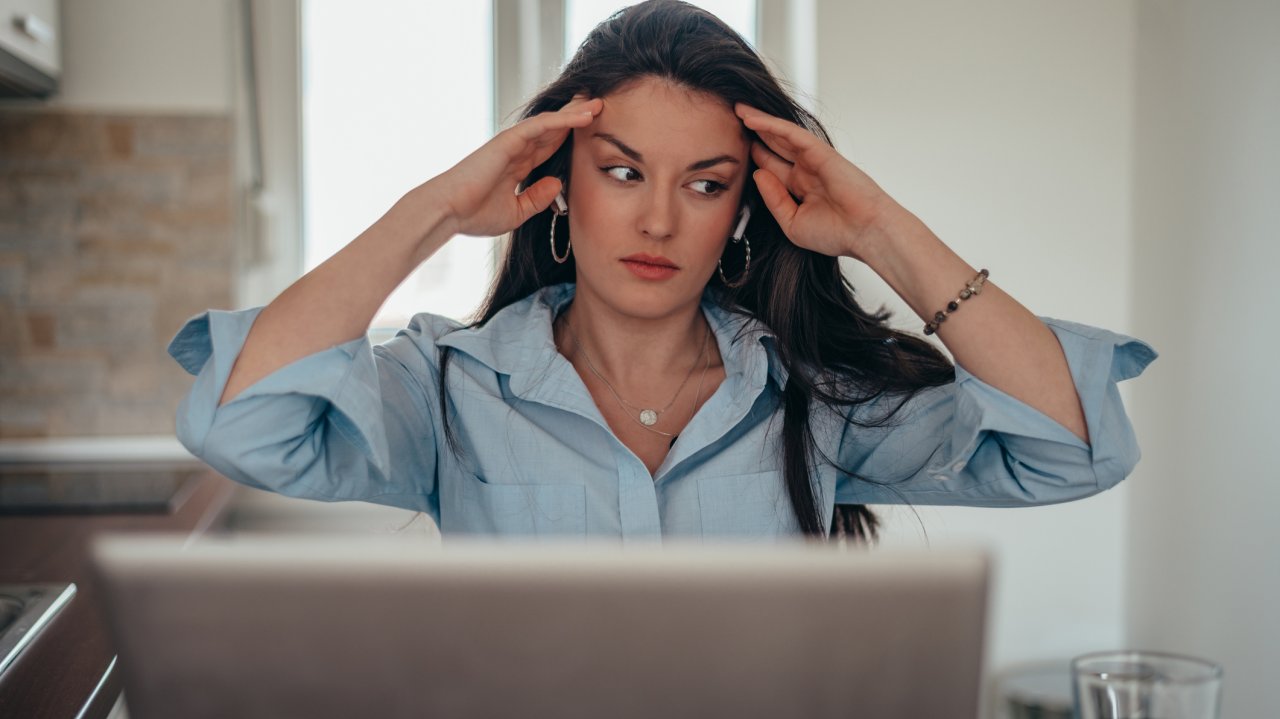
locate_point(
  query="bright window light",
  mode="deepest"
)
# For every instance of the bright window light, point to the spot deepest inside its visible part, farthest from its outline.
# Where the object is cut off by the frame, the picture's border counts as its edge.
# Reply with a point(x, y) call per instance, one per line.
point(394, 92)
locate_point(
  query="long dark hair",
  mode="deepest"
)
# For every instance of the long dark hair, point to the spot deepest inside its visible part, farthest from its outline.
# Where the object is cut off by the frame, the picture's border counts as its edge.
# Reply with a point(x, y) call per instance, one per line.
point(835, 352)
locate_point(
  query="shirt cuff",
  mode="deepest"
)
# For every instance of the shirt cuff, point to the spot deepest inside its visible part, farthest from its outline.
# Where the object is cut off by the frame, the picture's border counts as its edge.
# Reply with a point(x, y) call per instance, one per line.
point(969, 443)
point(345, 376)
point(1098, 359)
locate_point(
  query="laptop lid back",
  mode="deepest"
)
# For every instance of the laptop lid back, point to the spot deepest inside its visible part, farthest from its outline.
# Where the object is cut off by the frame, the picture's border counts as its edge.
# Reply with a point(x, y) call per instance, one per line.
point(318, 627)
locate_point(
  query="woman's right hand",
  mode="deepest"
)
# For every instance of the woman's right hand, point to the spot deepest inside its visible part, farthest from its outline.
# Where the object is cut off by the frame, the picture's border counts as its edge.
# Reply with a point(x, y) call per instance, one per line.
point(480, 191)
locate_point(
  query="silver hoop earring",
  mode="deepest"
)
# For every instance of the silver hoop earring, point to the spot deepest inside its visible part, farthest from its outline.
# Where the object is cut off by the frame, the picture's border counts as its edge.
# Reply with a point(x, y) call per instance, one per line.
point(560, 209)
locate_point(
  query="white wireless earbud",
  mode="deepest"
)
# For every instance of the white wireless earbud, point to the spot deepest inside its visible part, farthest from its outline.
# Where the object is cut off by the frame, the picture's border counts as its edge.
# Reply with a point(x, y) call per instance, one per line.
point(561, 207)
point(742, 224)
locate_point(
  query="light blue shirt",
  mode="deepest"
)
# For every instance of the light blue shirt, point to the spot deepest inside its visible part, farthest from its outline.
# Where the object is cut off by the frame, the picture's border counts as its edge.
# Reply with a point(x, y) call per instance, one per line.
point(363, 422)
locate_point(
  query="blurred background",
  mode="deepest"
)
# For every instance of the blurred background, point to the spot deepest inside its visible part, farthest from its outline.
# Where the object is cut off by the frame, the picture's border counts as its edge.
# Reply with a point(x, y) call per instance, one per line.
point(1113, 162)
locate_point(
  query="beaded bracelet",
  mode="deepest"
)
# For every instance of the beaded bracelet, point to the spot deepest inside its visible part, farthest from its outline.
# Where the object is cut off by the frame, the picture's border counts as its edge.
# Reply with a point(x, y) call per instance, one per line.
point(973, 288)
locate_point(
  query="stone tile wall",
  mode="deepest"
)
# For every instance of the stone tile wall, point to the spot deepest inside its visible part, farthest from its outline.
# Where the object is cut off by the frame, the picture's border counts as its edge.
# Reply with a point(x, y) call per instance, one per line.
point(113, 231)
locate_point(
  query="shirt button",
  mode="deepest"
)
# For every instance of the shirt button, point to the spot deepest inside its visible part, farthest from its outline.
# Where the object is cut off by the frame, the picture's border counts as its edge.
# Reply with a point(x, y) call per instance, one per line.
point(940, 476)
point(958, 466)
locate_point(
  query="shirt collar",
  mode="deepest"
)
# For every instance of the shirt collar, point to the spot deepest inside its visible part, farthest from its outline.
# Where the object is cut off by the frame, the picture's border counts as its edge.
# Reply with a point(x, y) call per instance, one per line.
point(517, 341)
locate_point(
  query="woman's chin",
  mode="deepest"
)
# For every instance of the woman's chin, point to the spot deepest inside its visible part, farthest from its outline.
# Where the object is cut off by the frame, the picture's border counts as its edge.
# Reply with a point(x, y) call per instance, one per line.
point(645, 300)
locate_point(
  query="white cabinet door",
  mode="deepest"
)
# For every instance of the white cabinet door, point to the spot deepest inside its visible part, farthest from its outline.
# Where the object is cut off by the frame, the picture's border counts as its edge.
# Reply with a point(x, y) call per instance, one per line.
point(29, 29)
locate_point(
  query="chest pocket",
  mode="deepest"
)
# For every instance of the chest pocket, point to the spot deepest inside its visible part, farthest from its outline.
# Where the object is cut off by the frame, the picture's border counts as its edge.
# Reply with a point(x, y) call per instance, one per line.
point(517, 510)
point(742, 505)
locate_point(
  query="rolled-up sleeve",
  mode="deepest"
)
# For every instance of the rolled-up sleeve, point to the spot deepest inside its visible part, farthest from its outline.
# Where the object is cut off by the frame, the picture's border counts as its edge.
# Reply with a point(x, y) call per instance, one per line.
point(351, 422)
point(968, 443)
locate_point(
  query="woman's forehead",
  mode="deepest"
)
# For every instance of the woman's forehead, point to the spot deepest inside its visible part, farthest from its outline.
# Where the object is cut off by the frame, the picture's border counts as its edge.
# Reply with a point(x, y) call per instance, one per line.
point(659, 118)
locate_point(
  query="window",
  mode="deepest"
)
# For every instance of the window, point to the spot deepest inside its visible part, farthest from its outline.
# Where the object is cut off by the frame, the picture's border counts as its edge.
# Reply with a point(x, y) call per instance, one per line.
point(394, 92)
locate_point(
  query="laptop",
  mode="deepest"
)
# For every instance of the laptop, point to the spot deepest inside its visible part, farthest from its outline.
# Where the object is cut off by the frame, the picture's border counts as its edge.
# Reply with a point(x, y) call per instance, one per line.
point(322, 627)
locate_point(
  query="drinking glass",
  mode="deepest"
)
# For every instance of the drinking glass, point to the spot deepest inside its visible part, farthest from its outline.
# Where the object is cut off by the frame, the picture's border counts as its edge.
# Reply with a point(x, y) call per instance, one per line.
point(1145, 685)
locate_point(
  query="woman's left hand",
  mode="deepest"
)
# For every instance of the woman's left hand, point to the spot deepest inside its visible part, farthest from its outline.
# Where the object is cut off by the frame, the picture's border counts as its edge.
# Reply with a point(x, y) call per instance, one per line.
point(838, 203)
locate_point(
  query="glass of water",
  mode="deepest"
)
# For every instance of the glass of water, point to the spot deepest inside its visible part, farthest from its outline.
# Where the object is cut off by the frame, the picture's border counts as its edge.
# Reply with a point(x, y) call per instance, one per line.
point(1145, 685)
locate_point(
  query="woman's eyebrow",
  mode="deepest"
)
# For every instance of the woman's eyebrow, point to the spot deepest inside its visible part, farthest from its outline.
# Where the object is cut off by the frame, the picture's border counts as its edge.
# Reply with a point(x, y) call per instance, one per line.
point(630, 152)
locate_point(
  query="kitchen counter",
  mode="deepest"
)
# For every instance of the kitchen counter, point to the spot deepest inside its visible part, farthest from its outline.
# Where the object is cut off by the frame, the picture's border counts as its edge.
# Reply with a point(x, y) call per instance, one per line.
point(69, 671)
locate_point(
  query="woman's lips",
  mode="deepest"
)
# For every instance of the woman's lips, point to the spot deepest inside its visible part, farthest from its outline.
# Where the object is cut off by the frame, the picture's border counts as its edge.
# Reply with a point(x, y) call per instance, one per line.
point(649, 267)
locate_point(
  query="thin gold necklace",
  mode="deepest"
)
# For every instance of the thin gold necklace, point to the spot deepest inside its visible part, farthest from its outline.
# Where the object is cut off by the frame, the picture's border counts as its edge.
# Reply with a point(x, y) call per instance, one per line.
point(646, 417)
point(697, 395)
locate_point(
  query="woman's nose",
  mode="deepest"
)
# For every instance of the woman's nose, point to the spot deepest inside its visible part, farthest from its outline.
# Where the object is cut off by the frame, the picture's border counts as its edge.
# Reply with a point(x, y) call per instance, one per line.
point(658, 217)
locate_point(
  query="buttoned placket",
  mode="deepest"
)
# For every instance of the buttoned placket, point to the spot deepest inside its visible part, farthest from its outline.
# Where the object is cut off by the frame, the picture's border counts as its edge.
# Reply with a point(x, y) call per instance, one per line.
point(637, 496)
point(638, 492)
point(552, 381)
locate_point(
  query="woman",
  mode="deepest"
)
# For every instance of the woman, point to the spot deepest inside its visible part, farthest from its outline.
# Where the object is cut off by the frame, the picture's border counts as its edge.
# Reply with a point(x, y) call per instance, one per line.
point(669, 347)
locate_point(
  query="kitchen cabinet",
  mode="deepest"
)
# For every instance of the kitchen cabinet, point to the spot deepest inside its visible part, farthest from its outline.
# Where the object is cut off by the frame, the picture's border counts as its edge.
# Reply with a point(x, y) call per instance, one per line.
point(30, 48)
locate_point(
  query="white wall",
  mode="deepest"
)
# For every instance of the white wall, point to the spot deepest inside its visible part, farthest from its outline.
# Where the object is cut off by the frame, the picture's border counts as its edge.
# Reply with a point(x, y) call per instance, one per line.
point(1203, 566)
point(1006, 126)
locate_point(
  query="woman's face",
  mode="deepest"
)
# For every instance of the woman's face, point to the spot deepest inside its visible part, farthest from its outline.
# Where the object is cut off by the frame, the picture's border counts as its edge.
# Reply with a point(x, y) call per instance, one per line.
point(654, 191)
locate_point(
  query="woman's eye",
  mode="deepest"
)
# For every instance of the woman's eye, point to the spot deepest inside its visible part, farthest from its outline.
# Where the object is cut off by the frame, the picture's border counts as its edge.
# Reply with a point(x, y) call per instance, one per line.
point(621, 173)
point(710, 188)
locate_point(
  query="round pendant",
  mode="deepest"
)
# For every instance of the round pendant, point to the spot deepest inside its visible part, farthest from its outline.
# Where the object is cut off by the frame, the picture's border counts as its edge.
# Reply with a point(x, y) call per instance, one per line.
point(648, 417)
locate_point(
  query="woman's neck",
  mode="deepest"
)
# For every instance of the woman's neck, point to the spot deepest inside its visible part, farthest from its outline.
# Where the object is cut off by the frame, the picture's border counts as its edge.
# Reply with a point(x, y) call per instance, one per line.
point(635, 353)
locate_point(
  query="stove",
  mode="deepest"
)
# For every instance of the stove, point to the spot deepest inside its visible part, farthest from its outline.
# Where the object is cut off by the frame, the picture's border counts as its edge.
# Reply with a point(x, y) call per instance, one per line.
point(25, 609)
point(96, 488)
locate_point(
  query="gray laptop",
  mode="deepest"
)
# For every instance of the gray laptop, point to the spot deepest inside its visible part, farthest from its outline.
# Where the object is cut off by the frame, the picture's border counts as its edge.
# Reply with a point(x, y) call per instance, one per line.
point(320, 627)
